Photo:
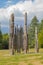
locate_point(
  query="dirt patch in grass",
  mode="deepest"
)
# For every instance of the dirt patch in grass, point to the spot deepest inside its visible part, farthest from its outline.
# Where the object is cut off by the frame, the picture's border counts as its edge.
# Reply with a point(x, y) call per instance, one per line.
point(36, 63)
point(41, 61)
point(22, 63)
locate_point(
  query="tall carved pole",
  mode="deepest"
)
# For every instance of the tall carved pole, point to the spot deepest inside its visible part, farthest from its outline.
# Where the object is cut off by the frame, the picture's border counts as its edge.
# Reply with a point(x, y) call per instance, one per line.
point(18, 41)
point(25, 34)
point(15, 45)
point(36, 41)
point(11, 36)
point(21, 38)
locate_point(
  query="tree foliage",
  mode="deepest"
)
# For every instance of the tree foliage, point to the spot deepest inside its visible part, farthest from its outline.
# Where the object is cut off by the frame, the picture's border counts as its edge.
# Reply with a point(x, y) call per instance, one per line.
point(5, 41)
point(40, 34)
point(40, 39)
point(31, 31)
point(0, 38)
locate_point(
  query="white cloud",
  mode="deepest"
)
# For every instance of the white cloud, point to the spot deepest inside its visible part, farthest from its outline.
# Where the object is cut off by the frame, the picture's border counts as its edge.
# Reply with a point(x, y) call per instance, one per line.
point(3, 14)
point(19, 8)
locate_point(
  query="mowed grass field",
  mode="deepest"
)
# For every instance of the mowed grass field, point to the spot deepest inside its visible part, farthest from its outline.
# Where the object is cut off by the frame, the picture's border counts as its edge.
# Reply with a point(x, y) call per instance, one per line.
point(21, 59)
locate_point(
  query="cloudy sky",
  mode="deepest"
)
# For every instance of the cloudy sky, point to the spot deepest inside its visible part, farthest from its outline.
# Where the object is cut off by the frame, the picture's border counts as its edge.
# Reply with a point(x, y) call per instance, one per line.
point(19, 7)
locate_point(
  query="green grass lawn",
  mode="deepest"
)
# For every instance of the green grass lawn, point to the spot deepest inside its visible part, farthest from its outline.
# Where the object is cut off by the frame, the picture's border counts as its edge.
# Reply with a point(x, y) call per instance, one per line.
point(21, 59)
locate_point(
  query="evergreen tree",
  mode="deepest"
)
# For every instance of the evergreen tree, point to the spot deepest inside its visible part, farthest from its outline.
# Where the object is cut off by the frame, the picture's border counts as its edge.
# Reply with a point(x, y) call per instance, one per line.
point(31, 31)
point(40, 34)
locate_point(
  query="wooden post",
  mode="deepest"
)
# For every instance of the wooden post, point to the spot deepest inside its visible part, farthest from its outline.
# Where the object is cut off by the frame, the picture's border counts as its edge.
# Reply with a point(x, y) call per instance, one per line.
point(36, 41)
point(15, 45)
point(25, 34)
point(11, 36)
point(21, 38)
point(18, 41)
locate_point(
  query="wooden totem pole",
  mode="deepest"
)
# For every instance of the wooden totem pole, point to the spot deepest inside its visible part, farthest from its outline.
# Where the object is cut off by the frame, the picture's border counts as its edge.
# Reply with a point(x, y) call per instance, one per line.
point(36, 40)
point(18, 41)
point(11, 35)
point(25, 34)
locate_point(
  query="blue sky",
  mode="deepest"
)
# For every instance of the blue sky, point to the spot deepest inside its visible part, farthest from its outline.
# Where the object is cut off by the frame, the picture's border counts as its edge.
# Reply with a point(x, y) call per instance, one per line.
point(3, 2)
point(11, 2)
point(19, 7)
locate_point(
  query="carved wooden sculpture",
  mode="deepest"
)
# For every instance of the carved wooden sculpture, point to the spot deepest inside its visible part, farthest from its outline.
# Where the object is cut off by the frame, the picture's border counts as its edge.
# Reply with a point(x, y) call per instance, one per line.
point(11, 36)
point(25, 34)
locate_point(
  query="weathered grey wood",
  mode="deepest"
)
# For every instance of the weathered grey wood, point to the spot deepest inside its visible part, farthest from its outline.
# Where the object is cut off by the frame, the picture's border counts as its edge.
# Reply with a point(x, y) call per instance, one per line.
point(15, 41)
point(18, 41)
point(9, 42)
point(36, 40)
point(25, 34)
point(11, 35)
point(27, 44)
point(21, 38)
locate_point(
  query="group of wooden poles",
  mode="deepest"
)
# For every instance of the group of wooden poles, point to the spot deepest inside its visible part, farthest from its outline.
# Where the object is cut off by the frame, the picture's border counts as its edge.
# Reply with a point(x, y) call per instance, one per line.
point(25, 40)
